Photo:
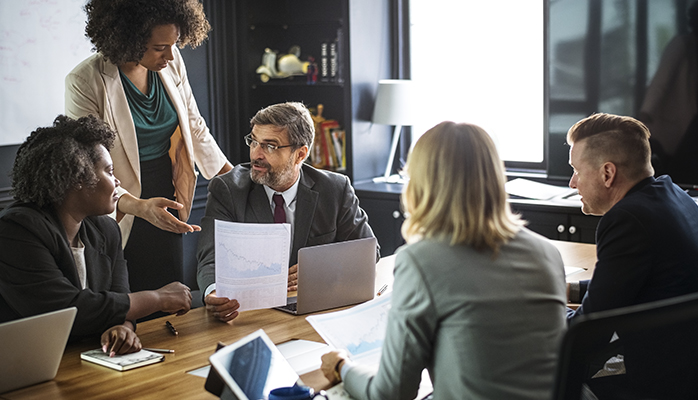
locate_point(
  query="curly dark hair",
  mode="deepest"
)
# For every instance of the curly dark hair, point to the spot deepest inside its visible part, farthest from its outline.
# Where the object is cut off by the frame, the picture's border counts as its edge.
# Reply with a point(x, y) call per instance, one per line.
point(54, 159)
point(120, 29)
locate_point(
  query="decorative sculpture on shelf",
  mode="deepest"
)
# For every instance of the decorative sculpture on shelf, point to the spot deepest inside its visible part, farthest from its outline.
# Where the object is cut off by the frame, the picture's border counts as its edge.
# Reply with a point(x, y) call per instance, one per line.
point(280, 67)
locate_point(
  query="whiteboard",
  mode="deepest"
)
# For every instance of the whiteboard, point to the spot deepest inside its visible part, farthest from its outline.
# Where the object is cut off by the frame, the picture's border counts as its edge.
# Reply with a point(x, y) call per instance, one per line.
point(40, 42)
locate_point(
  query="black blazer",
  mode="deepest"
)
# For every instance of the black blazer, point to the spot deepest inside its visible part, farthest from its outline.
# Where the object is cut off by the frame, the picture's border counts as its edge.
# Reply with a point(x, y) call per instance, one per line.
point(38, 273)
point(647, 250)
point(327, 211)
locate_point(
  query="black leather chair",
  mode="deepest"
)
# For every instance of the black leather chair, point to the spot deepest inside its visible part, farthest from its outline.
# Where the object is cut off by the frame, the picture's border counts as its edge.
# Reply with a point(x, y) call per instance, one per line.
point(589, 334)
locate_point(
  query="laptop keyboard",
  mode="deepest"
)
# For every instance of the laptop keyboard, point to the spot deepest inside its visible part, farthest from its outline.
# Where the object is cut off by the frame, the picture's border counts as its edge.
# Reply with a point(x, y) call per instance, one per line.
point(291, 307)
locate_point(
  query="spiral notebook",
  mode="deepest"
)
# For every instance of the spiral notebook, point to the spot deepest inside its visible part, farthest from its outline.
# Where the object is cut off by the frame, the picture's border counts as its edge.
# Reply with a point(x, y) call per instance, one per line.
point(122, 362)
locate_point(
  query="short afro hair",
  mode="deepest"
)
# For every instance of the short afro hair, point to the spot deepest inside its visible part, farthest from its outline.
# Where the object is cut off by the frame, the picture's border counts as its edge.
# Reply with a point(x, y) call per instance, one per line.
point(57, 158)
point(120, 29)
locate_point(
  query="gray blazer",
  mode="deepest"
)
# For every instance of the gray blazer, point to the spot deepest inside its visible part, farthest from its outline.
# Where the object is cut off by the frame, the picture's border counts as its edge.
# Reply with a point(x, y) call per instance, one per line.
point(485, 327)
point(327, 211)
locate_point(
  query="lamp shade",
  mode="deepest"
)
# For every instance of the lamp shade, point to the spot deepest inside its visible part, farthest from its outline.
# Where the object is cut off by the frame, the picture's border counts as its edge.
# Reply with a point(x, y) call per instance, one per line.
point(395, 103)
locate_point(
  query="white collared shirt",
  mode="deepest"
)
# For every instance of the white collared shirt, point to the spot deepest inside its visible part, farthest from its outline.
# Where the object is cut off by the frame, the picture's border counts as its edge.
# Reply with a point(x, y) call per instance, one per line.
point(80, 265)
point(289, 201)
point(289, 206)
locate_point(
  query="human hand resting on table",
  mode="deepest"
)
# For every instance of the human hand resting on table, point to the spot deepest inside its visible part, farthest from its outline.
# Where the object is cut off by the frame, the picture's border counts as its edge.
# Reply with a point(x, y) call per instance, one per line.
point(222, 308)
point(175, 298)
point(293, 278)
point(120, 339)
point(332, 365)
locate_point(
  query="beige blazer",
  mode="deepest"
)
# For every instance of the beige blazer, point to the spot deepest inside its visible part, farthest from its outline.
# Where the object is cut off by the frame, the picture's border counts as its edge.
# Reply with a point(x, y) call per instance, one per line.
point(94, 87)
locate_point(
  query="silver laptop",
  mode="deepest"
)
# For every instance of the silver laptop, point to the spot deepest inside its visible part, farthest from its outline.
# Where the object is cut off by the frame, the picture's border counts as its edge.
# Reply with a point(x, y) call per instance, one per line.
point(334, 275)
point(31, 348)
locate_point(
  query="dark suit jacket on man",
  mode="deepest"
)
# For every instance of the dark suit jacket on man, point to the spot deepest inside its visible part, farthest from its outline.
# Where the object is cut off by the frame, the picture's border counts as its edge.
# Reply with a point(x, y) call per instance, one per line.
point(38, 273)
point(647, 250)
point(327, 211)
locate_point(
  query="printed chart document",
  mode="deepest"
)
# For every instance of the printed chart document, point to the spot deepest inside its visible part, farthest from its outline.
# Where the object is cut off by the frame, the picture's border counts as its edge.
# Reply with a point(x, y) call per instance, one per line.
point(359, 330)
point(252, 263)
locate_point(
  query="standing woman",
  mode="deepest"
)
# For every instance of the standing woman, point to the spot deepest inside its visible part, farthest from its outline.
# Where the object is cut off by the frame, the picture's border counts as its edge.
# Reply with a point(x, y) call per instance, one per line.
point(478, 299)
point(137, 83)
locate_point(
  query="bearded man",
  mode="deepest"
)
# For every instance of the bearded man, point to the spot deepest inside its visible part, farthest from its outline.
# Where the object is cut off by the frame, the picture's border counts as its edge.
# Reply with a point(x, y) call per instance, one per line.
point(277, 186)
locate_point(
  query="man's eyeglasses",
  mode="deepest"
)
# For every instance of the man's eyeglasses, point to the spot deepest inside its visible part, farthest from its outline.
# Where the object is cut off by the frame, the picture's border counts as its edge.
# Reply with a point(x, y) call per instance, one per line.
point(267, 147)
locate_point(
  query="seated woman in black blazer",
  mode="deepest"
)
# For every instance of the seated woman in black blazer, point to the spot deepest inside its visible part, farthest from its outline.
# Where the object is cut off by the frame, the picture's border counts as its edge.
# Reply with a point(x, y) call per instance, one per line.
point(59, 249)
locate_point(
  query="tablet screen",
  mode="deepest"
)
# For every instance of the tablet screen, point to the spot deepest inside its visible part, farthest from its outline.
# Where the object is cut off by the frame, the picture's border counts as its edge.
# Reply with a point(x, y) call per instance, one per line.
point(254, 366)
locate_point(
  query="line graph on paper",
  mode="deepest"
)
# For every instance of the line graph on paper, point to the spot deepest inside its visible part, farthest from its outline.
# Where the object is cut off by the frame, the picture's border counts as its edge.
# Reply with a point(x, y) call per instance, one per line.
point(252, 263)
point(260, 265)
point(251, 251)
point(359, 330)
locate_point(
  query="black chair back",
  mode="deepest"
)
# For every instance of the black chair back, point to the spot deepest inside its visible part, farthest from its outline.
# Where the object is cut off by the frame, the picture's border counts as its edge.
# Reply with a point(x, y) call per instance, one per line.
point(588, 334)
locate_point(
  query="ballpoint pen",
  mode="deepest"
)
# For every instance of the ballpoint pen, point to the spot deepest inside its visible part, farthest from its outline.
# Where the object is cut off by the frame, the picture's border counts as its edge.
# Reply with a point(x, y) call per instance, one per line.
point(382, 289)
point(158, 350)
point(171, 328)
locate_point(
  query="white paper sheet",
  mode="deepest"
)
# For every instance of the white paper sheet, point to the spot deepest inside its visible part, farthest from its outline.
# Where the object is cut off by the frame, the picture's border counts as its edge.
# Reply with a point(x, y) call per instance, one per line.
point(572, 270)
point(200, 372)
point(536, 190)
point(303, 355)
point(252, 263)
point(359, 330)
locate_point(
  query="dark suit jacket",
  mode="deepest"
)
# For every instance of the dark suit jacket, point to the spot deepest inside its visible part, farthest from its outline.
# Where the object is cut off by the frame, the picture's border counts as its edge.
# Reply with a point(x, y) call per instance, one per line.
point(38, 273)
point(327, 211)
point(647, 250)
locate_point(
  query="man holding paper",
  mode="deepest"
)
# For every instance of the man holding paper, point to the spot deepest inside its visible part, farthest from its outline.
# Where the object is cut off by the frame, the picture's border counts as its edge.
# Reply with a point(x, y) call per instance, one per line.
point(277, 186)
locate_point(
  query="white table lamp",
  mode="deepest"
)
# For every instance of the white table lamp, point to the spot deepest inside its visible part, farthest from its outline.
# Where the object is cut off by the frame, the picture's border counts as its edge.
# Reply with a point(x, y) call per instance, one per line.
point(394, 106)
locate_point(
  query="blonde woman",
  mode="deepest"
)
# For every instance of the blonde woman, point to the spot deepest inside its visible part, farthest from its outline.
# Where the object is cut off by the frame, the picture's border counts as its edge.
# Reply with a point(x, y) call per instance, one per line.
point(478, 299)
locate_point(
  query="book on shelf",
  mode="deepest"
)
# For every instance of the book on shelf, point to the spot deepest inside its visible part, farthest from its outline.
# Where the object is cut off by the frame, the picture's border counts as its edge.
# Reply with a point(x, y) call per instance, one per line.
point(329, 148)
point(333, 61)
point(329, 156)
point(324, 62)
point(315, 158)
point(122, 362)
point(338, 57)
point(339, 148)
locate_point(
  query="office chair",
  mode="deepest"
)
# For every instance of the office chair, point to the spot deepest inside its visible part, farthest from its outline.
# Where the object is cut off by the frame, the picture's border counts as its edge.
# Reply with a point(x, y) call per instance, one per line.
point(590, 333)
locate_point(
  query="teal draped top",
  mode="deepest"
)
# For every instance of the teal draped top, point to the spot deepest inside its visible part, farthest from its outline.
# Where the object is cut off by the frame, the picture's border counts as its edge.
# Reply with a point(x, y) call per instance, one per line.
point(153, 114)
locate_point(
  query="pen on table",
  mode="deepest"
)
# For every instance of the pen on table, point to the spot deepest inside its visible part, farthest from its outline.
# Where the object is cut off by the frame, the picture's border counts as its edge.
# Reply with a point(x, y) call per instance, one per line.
point(158, 350)
point(171, 328)
point(382, 289)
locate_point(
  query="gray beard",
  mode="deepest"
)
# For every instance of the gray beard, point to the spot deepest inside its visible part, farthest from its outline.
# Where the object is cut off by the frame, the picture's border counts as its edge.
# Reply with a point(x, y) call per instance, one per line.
point(273, 179)
point(269, 178)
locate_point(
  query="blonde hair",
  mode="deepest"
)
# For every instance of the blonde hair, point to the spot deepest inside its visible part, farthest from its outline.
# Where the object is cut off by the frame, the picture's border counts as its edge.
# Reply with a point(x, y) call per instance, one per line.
point(456, 189)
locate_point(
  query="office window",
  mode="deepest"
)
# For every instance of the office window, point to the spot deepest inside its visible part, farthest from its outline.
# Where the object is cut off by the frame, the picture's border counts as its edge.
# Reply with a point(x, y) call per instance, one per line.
point(603, 54)
point(483, 62)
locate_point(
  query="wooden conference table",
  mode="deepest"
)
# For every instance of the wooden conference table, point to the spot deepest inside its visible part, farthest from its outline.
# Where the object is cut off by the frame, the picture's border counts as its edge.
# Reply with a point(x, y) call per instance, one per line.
point(198, 335)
